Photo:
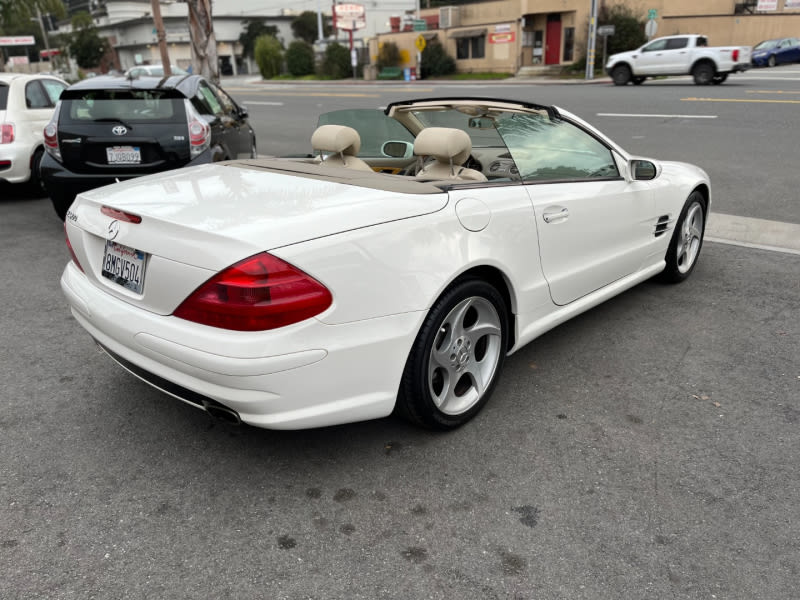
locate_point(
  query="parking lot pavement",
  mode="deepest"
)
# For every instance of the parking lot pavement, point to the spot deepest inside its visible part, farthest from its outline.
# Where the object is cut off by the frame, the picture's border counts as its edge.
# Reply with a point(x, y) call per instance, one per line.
point(647, 448)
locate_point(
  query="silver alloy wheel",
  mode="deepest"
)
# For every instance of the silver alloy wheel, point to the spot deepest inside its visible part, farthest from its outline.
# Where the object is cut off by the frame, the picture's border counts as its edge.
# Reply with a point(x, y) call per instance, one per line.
point(691, 236)
point(464, 356)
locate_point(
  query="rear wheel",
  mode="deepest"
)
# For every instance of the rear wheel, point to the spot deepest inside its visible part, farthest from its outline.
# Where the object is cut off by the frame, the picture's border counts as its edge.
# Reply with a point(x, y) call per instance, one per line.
point(62, 200)
point(621, 75)
point(703, 74)
point(687, 240)
point(719, 78)
point(457, 357)
point(638, 80)
point(35, 183)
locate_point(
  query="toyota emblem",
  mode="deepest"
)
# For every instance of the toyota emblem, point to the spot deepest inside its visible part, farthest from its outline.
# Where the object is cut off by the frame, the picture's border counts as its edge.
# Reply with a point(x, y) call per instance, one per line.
point(119, 130)
point(113, 229)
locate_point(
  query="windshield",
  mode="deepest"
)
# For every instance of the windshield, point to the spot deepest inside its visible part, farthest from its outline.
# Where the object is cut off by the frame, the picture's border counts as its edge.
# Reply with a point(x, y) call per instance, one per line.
point(125, 106)
point(767, 45)
point(482, 131)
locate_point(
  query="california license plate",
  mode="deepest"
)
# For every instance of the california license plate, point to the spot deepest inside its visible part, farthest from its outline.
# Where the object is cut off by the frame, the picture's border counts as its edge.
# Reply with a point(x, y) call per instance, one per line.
point(124, 266)
point(124, 155)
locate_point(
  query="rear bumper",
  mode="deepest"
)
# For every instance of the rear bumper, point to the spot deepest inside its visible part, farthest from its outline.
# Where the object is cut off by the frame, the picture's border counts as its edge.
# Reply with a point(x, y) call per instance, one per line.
point(740, 67)
point(301, 376)
point(58, 178)
point(19, 157)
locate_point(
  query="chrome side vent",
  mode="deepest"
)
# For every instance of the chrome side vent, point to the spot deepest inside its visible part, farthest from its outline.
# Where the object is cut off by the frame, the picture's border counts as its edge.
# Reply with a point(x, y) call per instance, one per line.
point(663, 225)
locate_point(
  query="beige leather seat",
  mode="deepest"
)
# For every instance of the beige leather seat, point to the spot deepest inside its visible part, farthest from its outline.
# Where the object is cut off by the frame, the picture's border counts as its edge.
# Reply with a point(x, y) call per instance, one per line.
point(450, 148)
point(342, 143)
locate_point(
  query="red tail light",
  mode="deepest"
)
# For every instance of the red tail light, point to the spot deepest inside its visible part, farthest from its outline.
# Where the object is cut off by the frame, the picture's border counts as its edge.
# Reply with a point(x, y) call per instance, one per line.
point(199, 131)
point(71, 251)
point(51, 134)
point(6, 133)
point(259, 293)
point(735, 56)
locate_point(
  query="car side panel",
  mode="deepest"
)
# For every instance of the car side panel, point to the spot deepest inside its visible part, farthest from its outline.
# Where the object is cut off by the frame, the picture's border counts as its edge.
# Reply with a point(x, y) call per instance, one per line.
point(405, 265)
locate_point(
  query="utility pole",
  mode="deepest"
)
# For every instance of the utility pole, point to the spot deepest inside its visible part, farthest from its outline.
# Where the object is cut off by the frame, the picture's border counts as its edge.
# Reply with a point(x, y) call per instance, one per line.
point(319, 23)
point(162, 37)
point(590, 52)
point(44, 30)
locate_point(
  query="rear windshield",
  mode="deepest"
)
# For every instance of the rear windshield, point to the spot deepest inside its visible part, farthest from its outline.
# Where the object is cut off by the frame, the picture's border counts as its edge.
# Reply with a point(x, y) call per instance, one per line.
point(140, 106)
point(3, 96)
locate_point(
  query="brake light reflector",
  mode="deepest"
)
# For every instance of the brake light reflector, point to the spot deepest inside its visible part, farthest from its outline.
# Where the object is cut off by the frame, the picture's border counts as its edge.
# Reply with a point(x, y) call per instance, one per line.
point(71, 251)
point(735, 55)
point(259, 293)
point(6, 133)
point(199, 131)
point(51, 135)
point(120, 215)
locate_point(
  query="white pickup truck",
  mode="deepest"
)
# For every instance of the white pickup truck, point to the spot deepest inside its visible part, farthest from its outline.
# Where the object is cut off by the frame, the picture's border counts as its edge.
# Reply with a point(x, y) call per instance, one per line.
point(678, 55)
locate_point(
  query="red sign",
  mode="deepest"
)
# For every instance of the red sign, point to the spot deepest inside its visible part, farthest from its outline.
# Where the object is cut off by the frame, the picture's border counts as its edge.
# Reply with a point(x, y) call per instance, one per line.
point(46, 53)
point(502, 38)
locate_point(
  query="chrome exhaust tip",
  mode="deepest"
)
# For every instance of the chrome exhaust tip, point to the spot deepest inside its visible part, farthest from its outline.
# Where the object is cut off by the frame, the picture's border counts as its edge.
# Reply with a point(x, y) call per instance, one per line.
point(222, 413)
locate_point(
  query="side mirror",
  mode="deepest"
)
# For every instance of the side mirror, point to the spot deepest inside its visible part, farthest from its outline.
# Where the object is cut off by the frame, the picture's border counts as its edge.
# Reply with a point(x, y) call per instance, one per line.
point(397, 149)
point(481, 123)
point(243, 112)
point(642, 169)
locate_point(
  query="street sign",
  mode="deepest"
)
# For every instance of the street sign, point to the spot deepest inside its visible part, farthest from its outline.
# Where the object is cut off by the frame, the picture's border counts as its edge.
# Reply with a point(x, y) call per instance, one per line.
point(605, 30)
point(349, 17)
point(420, 25)
point(420, 43)
point(652, 14)
point(650, 28)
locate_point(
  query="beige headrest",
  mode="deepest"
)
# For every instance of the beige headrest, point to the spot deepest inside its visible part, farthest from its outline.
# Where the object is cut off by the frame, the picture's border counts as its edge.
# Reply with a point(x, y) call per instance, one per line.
point(336, 138)
point(443, 144)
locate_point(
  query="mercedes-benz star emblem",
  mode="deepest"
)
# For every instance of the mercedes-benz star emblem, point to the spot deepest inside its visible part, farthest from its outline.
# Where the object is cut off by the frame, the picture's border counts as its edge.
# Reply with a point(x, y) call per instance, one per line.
point(113, 229)
point(119, 130)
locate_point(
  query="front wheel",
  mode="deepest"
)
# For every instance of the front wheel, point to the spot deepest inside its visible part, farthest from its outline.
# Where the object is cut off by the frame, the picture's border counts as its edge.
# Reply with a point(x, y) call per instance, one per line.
point(687, 240)
point(703, 74)
point(457, 357)
point(621, 75)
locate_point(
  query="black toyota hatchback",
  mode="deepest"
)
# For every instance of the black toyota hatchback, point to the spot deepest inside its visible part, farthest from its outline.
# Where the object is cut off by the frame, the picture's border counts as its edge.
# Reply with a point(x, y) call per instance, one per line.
point(107, 129)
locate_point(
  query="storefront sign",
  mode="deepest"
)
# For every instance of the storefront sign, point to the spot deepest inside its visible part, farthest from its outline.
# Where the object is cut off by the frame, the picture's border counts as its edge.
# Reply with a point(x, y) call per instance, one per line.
point(17, 40)
point(791, 4)
point(504, 28)
point(767, 5)
point(502, 38)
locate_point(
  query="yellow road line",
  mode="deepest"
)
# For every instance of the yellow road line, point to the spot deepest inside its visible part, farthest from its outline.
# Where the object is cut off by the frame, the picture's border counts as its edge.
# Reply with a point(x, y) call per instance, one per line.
point(771, 92)
point(740, 100)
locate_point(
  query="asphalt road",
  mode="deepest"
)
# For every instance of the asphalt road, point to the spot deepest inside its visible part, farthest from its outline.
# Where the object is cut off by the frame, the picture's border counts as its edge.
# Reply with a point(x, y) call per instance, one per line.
point(648, 448)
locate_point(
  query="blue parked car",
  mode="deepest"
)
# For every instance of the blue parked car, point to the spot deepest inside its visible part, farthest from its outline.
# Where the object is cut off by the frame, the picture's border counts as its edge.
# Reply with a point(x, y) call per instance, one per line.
point(774, 52)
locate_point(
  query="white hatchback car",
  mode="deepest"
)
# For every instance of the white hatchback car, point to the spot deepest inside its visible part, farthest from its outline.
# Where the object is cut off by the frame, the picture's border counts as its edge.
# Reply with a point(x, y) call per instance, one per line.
point(26, 106)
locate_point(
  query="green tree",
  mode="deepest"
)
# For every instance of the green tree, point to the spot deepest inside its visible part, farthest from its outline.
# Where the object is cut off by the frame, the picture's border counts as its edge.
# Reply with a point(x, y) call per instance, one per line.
point(86, 46)
point(304, 27)
point(269, 56)
point(336, 62)
point(436, 61)
point(254, 29)
point(300, 58)
point(388, 55)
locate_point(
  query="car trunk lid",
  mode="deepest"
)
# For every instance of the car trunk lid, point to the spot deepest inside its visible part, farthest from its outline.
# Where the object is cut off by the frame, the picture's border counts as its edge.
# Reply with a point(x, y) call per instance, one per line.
point(200, 220)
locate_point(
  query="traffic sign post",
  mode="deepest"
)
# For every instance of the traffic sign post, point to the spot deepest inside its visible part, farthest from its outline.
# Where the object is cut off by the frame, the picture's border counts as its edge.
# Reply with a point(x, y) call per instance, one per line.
point(605, 31)
point(650, 29)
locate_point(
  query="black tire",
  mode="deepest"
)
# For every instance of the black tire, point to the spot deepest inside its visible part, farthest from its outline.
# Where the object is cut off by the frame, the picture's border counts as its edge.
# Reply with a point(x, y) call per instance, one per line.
point(771, 62)
point(687, 240)
point(621, 75)
point(638, 80)
point(718, 79)
point(35, 184)
point(62, 200)
point(703, 74)
point(444, 395)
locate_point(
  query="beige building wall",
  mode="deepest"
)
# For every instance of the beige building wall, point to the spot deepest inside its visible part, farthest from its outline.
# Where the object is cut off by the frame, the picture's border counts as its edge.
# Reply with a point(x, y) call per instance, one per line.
point(535, 32)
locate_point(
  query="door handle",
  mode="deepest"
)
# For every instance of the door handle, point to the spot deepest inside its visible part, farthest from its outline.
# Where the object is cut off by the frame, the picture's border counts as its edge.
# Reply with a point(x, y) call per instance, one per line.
point(556, 214)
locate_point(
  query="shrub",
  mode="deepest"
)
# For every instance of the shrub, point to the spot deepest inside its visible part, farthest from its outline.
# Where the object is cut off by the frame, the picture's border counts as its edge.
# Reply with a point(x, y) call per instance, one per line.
point(300, 58)
point(269, 56)
point(436, 62)
point(388, 55)
point(628, 31)
point(336, 62)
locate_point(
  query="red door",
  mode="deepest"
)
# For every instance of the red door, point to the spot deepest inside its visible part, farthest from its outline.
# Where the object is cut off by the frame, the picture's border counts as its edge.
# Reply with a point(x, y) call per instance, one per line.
point(552, 53)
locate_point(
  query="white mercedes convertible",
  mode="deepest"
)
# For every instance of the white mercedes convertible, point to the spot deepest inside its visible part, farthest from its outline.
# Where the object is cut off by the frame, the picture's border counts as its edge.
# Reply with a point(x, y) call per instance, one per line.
point(393, 270)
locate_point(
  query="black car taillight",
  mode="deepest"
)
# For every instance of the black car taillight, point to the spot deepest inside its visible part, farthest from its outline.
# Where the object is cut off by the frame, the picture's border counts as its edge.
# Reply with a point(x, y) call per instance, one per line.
point(51, 135)
point(199, 131)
